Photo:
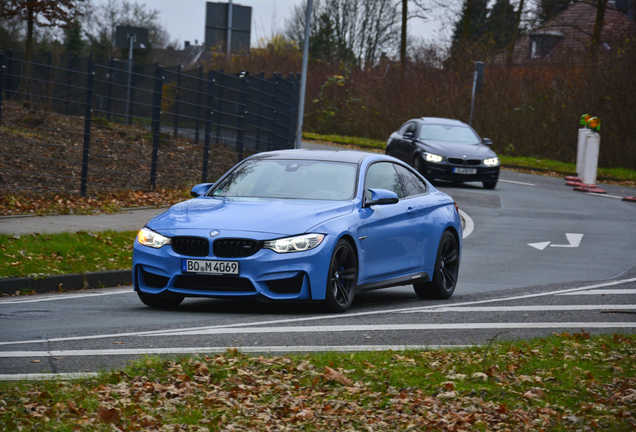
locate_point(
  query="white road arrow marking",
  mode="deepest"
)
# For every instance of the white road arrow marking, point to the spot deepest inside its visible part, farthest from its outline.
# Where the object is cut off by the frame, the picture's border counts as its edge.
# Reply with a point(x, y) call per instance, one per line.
point(539, 245)
point(574, 241)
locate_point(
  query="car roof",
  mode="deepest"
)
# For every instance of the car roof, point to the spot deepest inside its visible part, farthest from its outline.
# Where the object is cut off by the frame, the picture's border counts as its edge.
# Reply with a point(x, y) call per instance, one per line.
point(351, 156)
point(441, 120)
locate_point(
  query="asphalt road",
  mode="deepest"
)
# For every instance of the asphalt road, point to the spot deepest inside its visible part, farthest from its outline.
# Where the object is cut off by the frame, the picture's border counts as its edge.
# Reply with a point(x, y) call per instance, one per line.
point(521, 276)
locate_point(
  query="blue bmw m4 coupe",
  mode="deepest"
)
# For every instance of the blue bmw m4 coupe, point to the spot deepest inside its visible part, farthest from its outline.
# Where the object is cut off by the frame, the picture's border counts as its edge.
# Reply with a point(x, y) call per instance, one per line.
point(302, 225)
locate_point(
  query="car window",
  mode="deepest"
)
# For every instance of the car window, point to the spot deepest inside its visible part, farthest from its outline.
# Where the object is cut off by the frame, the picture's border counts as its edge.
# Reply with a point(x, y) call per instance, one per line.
point(382, 175)
point(408, 126)
point(412, 184)
point(293, 178)
point(461, 134)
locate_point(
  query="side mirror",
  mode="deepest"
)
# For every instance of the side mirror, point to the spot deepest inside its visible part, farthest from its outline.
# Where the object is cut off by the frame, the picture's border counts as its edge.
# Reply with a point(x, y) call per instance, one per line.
point(381, 197)
point(200, 189)
point(409, 134)
point(486, 141)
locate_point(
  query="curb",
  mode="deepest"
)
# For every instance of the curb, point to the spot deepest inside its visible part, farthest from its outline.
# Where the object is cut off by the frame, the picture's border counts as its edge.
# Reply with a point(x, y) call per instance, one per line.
point(69, 282)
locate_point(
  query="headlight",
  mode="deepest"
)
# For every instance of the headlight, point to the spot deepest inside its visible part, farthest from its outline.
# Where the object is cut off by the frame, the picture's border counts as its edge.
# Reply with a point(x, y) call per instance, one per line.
point(430, 157)
point(294, 244)
point(148, 237)
point(491, 161)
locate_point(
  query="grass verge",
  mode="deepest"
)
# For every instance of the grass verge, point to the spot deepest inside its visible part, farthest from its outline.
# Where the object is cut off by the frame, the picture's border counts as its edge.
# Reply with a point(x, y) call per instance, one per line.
point(524, 162)
point(38, 255)
point(566, 382)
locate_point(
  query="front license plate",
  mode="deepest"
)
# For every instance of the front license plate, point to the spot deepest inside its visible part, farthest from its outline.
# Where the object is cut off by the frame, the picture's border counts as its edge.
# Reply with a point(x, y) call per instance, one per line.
point(465, 170)
point(210, 267)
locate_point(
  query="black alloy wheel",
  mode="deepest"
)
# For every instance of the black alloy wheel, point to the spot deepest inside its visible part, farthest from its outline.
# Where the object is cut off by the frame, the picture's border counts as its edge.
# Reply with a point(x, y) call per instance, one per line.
point(446, 270)
point(342, 278)
point(165, 300)
point(417, 163)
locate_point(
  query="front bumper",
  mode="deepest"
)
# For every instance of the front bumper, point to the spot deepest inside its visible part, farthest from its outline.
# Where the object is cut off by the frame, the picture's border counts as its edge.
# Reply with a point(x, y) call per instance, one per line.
point(291, 276)
point(446, 171)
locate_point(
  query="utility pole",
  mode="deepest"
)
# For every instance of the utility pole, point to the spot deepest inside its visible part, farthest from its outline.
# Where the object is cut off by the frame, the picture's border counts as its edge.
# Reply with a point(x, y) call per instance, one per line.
point(303, 76)
point(131, 39)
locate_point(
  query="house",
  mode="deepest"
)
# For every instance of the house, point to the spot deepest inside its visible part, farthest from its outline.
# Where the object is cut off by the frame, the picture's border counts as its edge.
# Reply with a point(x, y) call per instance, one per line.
point(568, 35)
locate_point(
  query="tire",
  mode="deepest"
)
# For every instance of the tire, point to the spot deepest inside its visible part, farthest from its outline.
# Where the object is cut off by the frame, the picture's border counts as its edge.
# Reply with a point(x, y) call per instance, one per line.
point(342, 277)
point(417, 164)
point(165, 300)
point(446, 270)
point(490, 184)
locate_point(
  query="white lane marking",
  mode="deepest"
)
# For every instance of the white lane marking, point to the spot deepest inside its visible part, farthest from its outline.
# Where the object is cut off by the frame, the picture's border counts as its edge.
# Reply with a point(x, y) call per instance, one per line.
point(398, 327)
point(66, 297)
point(222, 349)
point(574, 241)
point(469, 224)
point(319, 317)
point(47, 376)
point(531, 308)
point(605, 195)
point(516, 182)
point(605, 291)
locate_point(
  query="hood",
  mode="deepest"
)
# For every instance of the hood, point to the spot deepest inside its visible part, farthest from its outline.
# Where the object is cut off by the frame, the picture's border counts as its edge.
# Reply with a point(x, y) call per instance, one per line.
point(272, 216)
point(458, 150)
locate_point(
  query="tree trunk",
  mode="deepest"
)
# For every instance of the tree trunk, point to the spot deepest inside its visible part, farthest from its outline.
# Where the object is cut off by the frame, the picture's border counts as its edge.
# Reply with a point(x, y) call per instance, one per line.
point(515, 34)
point(405, 12)
point(601, 5)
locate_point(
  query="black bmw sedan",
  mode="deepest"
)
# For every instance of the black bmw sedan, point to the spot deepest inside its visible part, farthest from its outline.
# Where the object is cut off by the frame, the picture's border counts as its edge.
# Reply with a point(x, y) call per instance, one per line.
point(445, 149)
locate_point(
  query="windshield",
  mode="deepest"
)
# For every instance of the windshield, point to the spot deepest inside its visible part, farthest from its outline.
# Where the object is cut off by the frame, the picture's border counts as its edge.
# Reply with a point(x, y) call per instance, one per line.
point(296, 179)
point(459, 134)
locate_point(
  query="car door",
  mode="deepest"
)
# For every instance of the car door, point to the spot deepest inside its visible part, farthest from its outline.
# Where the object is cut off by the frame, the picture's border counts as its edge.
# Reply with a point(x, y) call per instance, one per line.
point(421, 209)
point(387, 244)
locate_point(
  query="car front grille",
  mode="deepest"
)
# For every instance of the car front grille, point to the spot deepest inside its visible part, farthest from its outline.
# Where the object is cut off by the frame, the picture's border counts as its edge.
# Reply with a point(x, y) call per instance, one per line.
point(458, 161)
point(213, 283)
point(236, 247)
point(191, 246)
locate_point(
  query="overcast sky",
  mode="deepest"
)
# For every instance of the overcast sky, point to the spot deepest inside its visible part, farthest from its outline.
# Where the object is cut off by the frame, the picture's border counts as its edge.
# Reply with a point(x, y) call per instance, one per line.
point(185, 19)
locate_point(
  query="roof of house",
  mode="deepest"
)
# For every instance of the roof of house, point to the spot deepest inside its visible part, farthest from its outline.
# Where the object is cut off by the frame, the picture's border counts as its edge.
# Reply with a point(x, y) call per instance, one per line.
point(571, 32)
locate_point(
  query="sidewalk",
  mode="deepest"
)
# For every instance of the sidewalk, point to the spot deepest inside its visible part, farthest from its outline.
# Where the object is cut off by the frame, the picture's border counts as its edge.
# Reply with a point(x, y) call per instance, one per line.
point(130, 220)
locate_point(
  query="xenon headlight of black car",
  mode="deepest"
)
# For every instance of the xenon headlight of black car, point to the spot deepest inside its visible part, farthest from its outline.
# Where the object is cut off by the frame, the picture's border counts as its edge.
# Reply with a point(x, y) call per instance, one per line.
point(148, 237)
point(491, 162)
point(298, 243)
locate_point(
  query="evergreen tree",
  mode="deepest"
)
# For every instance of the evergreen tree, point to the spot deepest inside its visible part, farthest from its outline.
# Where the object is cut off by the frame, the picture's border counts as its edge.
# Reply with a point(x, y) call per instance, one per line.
point(73, 42)
point(501, 24)
point(471, 26)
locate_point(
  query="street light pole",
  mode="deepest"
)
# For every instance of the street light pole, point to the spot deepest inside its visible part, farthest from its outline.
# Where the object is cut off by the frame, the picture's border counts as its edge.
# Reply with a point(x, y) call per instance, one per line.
point(303, 76)
point(228, 38)
point(131, 40)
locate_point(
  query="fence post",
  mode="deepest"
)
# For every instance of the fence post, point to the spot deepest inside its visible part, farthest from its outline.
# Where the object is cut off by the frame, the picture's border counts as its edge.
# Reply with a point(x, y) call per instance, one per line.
point(177, 92)
point(208, 126)
point(7, 77)
point(198, 103)
point(131, 104)
point(87, 124)
point(242, 111)
point(49, 63)
point(2, 71)
point(156, 123)
point(219, 107)
point(109, 89)
point(272, 125)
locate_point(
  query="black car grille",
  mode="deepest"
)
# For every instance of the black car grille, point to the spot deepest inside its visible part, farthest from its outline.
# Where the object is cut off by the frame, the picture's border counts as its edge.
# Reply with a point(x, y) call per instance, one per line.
point(236, 247)
point(191, 246)
point(213, 283)
point(153, 280)
point(458, 161)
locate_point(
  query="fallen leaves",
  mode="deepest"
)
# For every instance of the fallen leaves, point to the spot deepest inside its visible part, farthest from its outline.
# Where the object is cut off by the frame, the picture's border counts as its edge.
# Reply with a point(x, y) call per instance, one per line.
point(465, 390)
